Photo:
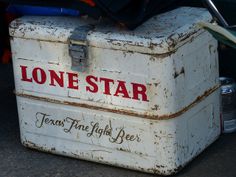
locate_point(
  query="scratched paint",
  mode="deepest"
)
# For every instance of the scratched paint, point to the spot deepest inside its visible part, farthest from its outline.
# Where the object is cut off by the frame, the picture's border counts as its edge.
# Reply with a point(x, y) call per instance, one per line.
point(147, 100)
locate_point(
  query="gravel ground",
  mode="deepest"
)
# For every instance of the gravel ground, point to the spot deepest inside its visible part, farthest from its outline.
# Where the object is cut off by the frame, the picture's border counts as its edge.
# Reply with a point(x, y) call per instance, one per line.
point(219, 160)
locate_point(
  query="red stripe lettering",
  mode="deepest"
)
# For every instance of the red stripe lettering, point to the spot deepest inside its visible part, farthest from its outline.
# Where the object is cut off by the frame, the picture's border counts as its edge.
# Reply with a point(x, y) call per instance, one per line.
point(121, 89)
point(107, 85)
point(94, 87)
point(54, 77)
point(73, 81)
point(24, 74)
point(39, 72)
point(139, 89)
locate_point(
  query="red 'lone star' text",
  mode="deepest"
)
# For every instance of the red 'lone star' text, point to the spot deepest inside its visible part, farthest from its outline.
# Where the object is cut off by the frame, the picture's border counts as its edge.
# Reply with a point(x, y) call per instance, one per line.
point(94, 84)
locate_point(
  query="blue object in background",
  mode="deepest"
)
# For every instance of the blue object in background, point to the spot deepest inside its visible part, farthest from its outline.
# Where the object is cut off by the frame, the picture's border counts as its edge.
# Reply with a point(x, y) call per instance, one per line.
point(38, 10)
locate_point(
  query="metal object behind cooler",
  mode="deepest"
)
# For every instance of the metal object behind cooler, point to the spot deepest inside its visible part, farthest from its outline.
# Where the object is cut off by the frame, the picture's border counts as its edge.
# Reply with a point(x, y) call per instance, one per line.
point(228, 92)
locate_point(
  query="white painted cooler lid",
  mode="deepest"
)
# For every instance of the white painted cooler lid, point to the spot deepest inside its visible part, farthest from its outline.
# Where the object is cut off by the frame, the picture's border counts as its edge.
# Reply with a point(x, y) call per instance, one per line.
point(161, 34)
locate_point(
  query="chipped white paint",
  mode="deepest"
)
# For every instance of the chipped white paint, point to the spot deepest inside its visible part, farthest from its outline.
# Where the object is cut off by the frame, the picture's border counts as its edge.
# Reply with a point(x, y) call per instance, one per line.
point(147, 100)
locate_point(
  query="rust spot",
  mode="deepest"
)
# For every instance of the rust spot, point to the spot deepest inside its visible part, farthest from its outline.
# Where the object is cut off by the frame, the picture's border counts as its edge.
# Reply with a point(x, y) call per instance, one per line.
point(160, 166)
point(160, 169)
point(156, 84)
point(185, 37)
point(29, 144)
point(124, 150)
point(33, 145)
point(155, 171)
point(16, 24)
point(53, 63)
point(25, 59)
point(122, 111)
point(210, 48)
point(171, 42)
point(153, 45)
point(161, 56)
point(177, 74)
point(153, 56)
point(156, 108)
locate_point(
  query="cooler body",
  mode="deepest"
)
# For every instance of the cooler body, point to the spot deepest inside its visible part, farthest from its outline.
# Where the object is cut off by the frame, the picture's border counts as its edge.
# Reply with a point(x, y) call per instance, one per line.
point(146, 99)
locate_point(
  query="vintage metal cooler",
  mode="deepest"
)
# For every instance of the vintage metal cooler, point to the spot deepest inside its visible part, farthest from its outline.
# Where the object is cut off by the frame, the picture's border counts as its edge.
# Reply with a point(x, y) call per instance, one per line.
point(146, 99)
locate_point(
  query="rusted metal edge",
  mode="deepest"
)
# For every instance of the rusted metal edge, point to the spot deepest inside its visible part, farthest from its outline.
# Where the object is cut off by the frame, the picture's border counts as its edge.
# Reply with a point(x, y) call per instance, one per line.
point(159, 55)
point(31, 145)
point(122, 111)
point(170, 51)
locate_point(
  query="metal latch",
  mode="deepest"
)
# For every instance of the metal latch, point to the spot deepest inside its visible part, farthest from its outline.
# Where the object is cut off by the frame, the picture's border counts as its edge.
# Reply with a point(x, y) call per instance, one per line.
point(78, 48)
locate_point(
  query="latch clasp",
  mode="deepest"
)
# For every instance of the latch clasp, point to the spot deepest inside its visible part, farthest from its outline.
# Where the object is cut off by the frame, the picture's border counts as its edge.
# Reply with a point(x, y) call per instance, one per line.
point(78, 48)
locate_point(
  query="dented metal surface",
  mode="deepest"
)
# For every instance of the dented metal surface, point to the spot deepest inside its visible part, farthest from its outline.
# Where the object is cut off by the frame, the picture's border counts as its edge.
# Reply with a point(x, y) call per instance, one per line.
point(146, 100)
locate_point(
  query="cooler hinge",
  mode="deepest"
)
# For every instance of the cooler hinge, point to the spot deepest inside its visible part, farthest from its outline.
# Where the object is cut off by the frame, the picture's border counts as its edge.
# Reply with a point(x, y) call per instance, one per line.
point(78, 48)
